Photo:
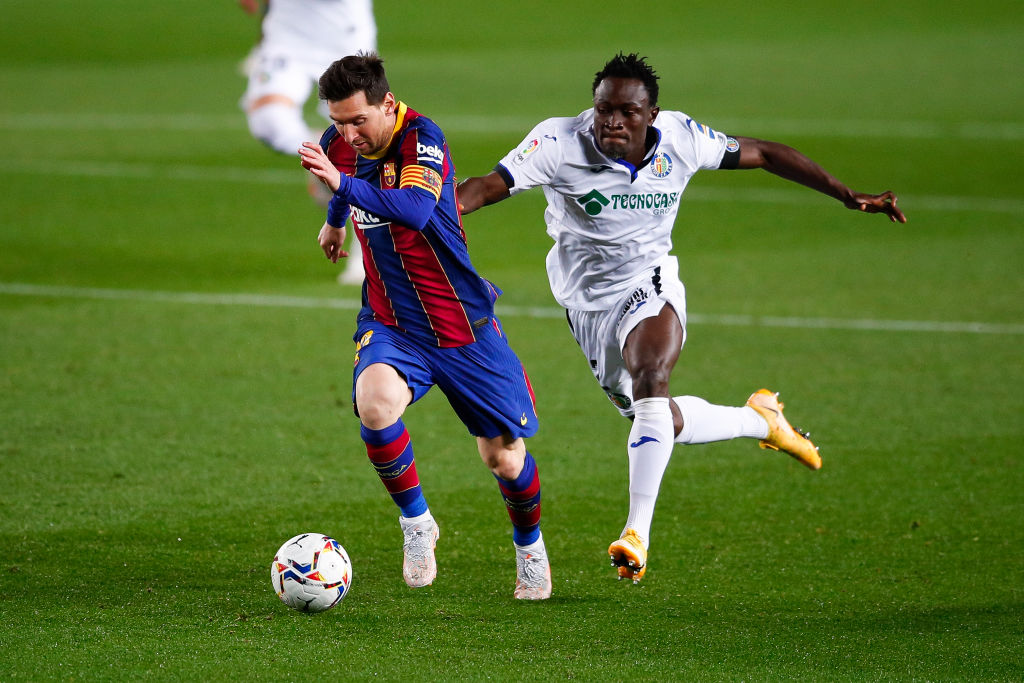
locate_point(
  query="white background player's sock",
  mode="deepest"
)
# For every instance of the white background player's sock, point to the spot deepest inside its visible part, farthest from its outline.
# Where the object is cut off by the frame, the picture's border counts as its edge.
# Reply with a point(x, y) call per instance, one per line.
point(705, 422)
point(649, 449)
point(280, 127)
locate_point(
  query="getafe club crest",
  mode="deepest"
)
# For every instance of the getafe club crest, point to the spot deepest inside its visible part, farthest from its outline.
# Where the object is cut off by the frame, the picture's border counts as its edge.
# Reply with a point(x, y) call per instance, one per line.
point(389, 174)
point(661, 165)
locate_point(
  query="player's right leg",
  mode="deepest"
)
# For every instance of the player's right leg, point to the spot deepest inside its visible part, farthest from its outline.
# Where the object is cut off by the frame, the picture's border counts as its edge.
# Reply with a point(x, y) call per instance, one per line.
point(380, 397)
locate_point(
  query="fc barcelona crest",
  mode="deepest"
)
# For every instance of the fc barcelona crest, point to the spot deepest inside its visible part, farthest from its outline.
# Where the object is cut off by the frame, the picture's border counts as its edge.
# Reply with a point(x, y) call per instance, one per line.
point(389, 174)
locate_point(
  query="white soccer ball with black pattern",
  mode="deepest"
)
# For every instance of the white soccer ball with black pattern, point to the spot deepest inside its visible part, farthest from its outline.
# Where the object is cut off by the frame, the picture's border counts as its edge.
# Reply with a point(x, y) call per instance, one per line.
point(311, 573)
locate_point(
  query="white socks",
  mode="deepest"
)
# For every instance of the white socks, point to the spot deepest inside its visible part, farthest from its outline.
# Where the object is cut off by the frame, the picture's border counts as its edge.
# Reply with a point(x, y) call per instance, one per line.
point(280, 127)
point(704, 422)
point(649, 449)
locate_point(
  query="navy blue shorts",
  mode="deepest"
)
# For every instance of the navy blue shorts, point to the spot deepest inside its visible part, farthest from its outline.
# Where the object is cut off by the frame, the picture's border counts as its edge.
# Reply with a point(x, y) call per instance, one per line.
point(485, 382)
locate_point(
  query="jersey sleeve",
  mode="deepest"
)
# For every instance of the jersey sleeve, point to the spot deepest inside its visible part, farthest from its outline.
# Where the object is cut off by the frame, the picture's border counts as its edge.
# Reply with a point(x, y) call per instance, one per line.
point(534, 162)
point(713, 149)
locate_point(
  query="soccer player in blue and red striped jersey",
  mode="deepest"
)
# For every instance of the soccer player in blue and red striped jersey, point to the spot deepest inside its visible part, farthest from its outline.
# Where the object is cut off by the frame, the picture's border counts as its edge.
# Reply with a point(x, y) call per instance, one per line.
point(427, 317)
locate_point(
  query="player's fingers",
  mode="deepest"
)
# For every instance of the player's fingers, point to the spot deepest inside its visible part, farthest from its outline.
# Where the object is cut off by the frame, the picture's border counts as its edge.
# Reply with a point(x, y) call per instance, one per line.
point(890, 207)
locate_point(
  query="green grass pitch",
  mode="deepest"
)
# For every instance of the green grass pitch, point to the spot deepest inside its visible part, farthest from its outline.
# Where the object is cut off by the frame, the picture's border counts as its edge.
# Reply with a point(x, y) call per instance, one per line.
point(175, 358)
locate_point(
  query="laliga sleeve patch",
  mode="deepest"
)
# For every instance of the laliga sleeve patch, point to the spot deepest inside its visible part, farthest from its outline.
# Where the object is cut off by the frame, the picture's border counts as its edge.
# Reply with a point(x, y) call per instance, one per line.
point(530, 148)
point(422, 177)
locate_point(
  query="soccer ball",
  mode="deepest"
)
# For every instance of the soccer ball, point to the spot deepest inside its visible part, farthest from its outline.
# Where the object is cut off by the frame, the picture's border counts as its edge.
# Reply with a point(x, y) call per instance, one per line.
point(311, 572)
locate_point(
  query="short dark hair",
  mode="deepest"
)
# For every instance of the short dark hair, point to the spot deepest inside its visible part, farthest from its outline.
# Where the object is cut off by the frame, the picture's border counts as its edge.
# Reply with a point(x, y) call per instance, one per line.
point(363, 71)
point(630, 66)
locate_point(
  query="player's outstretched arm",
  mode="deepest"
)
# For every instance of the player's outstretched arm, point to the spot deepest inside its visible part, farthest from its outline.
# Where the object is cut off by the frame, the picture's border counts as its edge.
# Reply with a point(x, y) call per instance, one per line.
point(480, 191)
point(790, 164)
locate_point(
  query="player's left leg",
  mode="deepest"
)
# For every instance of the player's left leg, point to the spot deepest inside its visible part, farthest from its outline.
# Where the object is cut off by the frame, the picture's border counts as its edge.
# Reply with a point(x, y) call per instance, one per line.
point(488, 388)
point(650, 352)
point(519, 482)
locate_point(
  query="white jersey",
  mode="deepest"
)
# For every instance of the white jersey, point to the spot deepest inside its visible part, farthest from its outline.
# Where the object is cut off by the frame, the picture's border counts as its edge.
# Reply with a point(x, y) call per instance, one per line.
point(321, 31)
point(611, 223)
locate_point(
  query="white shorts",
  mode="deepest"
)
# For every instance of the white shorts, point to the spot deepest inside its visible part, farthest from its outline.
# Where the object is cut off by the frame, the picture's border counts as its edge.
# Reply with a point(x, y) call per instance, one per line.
point(602, 334)
point(277, 71)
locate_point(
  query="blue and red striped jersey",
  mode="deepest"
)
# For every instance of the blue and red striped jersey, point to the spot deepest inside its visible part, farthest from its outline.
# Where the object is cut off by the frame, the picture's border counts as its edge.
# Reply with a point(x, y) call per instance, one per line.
point(419, 278)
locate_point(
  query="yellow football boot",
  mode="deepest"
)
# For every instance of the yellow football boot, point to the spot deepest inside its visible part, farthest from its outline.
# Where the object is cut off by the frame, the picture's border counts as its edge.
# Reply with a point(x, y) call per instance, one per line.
point(630, 556)
point(781, 436)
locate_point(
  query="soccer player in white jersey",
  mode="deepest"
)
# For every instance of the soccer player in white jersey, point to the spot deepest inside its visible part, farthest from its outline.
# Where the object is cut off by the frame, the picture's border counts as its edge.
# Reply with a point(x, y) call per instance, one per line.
point(613, 177)
point(299, 40)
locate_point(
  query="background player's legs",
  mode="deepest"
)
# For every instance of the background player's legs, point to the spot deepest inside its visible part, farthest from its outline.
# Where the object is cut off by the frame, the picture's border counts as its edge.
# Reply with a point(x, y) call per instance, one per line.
point(278, 88)
point(353, 272)
point(276, 121)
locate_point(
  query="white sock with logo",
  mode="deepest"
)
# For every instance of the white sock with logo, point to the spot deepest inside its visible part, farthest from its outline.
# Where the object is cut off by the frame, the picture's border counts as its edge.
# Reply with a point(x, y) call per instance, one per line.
point(649, 449)
point(705, 422)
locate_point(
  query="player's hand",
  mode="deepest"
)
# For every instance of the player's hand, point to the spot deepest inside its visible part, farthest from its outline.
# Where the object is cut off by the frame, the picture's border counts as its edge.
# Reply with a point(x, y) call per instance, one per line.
point(313, 159)
point(878, 203)
point(250, 6)
point(331, 240)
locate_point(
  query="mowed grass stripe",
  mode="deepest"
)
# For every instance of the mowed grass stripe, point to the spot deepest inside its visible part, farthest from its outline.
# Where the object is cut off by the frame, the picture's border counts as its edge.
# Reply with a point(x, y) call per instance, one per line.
point(520, 125)
point(237, 174)
point(275, 301)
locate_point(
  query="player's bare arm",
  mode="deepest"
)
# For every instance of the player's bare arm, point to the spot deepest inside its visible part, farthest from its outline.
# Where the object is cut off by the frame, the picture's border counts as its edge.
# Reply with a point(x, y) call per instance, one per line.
point(481, 191)
point(313, 159)
point(788, 163)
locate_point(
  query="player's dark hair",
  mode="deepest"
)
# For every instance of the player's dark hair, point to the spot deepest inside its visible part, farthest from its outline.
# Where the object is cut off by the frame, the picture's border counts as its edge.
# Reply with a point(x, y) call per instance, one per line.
point(630, 66)
point(347, 76)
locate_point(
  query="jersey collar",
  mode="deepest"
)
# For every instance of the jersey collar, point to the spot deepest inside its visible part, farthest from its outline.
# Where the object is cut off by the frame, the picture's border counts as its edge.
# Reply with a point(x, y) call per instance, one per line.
point(653, 140)
point(400, 113)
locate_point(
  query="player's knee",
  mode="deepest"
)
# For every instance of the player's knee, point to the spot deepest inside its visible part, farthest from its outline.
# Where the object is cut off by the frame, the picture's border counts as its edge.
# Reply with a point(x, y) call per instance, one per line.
point(651, 381)
point(378, 414)
point(381, 396)
point(279, 126)
point(503, 456)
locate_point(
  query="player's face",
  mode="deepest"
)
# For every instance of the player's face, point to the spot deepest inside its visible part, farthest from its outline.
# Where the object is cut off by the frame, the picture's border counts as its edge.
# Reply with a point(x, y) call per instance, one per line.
point(622, 113)
point(366, 127)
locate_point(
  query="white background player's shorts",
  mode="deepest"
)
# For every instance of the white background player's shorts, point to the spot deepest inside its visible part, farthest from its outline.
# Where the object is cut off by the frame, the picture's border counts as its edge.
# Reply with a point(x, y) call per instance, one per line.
point(602, 334)
point(280, 71)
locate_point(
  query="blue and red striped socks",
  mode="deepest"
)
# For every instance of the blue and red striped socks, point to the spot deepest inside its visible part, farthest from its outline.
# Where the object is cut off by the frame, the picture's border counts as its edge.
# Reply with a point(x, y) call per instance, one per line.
point(522, 498)
point(390, 452)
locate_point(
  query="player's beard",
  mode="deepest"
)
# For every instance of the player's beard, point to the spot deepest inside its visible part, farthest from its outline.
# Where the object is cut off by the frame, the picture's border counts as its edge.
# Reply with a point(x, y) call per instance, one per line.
point(614, 147)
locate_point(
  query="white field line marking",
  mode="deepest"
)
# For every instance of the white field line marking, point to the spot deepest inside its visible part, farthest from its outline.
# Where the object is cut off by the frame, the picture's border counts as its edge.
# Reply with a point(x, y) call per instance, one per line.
point(273, 176)
point(274, 301)
point(521, 125)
